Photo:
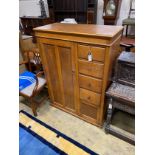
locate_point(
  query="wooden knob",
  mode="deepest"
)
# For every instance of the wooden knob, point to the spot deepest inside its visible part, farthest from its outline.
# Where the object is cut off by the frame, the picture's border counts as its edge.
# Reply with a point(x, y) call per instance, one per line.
point(89, 85)
point(89, 98)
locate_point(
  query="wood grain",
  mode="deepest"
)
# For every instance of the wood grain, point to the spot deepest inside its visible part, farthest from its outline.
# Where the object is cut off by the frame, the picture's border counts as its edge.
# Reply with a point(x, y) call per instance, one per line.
point(67, 76)
point(90, 96)
point(91, 68)
point(98, 53)
point(90, 83)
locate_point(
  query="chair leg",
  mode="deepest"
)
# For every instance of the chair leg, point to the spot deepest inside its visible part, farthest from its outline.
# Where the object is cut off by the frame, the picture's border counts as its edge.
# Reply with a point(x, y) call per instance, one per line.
point(126, 31)
point(34, 107)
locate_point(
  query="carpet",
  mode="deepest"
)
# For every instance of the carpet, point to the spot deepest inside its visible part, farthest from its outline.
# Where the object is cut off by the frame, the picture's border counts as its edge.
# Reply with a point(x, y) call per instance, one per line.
point(38, 138)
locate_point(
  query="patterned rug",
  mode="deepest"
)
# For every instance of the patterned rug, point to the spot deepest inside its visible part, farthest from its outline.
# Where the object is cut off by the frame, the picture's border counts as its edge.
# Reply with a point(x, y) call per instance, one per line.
point(38, 138)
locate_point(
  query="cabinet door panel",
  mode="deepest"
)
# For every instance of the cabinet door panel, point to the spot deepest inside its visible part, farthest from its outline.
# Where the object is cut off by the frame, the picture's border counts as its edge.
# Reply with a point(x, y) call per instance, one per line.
point(65, 54)
point(51, 71)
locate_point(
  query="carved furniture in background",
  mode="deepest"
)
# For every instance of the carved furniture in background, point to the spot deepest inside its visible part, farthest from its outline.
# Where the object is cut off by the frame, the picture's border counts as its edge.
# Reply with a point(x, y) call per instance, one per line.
point(111, 19)
point(126, 68)
point(30, 22)
point(51, 9)
point(92, 11)
point(121, 94)
point(77, 60)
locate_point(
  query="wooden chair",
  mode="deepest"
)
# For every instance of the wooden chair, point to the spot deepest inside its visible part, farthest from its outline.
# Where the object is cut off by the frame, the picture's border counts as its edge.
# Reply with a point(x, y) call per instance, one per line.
point(127, 44)
point(31, 91)
point(130, 21)
point(128, 41)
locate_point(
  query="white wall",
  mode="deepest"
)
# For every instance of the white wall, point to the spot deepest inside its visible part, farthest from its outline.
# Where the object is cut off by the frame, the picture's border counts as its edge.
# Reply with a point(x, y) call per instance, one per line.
point(31, 8)
point(100, 20)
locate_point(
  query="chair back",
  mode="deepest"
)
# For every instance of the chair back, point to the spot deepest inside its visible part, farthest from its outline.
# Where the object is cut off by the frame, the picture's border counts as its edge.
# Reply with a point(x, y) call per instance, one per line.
point(32, 56)
point(132, 9)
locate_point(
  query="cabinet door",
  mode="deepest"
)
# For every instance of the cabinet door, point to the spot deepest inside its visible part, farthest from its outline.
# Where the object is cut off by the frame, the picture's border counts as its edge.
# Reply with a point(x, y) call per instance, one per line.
point(57, 57)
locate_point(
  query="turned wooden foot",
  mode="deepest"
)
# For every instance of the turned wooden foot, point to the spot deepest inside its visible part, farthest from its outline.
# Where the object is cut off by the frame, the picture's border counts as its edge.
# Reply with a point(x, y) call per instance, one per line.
point(34, 108)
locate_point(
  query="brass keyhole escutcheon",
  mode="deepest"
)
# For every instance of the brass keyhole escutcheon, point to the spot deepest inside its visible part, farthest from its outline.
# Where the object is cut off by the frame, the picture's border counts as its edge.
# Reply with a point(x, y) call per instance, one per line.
point(90, 56)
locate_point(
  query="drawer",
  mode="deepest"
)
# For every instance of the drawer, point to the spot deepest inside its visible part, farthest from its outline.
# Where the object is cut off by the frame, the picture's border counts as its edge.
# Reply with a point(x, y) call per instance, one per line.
point(91, 68)
point(98, 53)
point(90, 83)
point(88, 111)
point(89, 96)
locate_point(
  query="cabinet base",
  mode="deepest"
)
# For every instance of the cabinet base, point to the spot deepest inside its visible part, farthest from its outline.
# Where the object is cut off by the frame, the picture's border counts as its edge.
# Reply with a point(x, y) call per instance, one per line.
point(78, 116)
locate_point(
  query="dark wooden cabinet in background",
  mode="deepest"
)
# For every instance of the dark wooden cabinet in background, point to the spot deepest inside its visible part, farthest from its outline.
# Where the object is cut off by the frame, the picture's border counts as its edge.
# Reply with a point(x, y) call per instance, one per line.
point(92, 11)
point(30, 22)
point(84, 11)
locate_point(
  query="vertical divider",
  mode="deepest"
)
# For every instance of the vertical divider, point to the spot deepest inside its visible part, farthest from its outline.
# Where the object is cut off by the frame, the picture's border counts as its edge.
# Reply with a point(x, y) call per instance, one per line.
point(60, 74)
point(77, 98)
point(45, 67)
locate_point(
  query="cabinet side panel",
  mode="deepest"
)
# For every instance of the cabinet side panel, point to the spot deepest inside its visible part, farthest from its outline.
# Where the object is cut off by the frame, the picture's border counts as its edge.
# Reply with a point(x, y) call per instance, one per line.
point(52, 71)
point(65, 54)
point(112, 53)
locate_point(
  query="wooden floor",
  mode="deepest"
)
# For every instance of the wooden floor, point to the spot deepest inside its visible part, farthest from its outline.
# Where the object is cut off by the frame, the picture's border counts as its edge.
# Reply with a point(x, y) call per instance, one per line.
point(85, 133)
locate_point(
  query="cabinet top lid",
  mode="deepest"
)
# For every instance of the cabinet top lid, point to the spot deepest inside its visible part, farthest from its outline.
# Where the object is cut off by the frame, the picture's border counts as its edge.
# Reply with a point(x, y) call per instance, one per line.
point(82, 29)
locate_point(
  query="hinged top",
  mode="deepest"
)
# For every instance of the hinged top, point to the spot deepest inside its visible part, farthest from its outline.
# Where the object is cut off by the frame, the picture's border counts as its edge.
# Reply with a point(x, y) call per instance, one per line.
point(82, 29)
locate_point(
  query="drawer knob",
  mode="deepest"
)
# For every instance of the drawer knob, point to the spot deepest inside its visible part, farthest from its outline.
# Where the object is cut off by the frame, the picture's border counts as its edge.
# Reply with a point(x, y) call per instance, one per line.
point(90, 56)
point(89, 98)
point(89, 85)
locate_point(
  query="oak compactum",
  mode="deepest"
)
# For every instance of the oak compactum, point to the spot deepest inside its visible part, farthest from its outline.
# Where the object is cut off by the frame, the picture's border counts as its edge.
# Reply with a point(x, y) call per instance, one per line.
point(78, 60)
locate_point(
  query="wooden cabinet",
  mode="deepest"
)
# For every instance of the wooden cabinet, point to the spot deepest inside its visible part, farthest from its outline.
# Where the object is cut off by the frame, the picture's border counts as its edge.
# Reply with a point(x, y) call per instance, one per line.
point(75, 84)
point(92, 11)
point(30, 22)
point(84, 11)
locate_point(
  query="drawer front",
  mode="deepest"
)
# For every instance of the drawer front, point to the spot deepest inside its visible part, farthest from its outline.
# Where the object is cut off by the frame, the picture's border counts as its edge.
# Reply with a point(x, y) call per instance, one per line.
point(91, 68)
point(90, 83)
point(89, 96)
point(88, 111)
point(98, 53)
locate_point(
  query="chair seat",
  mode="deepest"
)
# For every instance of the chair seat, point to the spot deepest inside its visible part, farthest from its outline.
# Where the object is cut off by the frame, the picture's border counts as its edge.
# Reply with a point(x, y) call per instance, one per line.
point(28, 90)
point(127, 41)
point(119, 91)
point(129, 21)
